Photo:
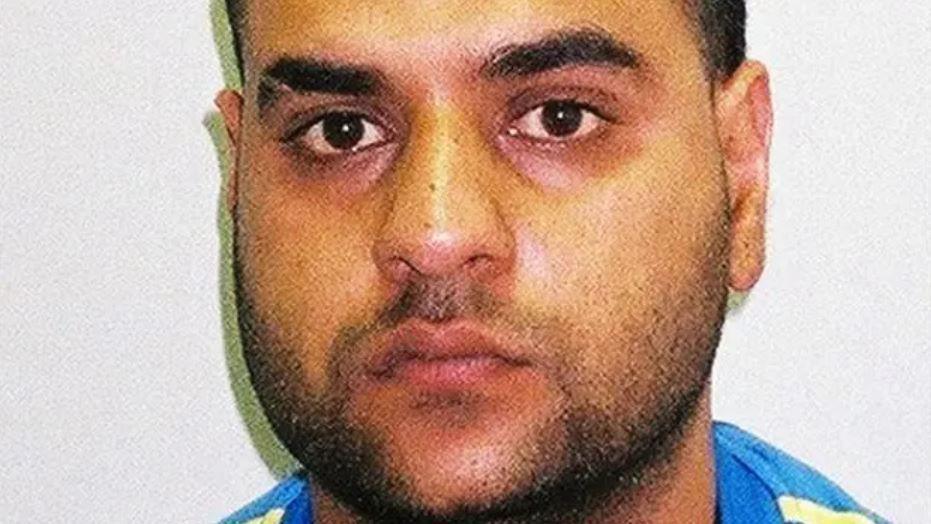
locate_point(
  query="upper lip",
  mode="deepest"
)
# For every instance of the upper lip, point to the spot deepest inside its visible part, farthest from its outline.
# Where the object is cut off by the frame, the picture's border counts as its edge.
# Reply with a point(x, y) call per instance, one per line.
point(419, 340)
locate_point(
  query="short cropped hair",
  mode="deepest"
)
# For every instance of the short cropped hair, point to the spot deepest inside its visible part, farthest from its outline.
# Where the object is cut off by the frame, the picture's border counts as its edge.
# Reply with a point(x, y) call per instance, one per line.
point(721, 25)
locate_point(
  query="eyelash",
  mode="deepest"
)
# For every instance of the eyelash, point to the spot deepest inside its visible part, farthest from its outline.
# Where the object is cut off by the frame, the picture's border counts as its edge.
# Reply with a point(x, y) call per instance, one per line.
point(304, 123)
point(588, 109)
point(296, 133)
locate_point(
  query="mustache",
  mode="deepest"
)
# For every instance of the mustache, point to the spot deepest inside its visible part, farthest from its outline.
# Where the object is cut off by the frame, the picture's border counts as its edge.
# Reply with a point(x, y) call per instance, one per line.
point(438, 300)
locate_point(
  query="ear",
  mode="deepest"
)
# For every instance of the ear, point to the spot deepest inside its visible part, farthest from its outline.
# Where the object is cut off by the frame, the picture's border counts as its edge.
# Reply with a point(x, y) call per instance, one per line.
point(229, 103)
point(744, 120)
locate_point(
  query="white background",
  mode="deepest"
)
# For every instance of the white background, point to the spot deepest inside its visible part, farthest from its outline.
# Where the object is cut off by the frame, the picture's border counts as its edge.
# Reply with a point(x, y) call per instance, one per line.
point(114, 398)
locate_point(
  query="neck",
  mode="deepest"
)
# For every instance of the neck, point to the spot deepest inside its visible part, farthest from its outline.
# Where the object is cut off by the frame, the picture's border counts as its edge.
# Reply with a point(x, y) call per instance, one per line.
point(680, 487)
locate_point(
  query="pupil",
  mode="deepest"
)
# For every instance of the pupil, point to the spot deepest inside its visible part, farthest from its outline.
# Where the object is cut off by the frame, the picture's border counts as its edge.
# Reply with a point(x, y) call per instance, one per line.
point(562, 118)
point(343, 130)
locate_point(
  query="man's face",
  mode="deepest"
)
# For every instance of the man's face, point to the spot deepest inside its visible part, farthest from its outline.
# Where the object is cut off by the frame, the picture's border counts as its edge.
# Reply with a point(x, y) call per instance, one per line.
point(481, 247)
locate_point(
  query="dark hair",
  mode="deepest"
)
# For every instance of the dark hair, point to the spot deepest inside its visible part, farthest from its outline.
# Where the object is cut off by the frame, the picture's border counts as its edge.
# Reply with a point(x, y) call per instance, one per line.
point(722, 25)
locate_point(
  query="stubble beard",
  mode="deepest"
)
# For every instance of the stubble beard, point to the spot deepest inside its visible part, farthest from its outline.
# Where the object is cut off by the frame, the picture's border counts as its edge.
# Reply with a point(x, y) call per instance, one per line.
point(603, 455)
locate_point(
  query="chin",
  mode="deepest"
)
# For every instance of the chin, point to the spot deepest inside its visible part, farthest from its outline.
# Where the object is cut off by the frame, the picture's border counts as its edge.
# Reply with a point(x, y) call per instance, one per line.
point(454, 472)
point(471, 500)
point(448, 469)
point(474, 478)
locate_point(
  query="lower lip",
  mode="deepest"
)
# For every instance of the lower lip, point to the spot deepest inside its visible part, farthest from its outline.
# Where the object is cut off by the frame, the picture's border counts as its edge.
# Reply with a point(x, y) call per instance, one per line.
point(451, 372)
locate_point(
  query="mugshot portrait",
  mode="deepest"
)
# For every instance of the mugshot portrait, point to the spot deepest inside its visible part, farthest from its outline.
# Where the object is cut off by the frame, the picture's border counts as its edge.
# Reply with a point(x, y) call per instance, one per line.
point(296, 261)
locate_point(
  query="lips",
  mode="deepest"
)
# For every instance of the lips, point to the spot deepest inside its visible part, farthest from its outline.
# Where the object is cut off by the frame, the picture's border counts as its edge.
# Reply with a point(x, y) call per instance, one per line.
point(432, 355)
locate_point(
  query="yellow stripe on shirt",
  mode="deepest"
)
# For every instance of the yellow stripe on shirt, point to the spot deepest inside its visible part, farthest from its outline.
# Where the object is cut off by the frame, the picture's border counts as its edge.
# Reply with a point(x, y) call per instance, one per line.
point(804, 511)
point(272, 517)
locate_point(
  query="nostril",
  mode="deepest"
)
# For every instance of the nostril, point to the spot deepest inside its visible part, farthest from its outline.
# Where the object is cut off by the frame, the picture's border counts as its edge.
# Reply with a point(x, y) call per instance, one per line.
point(478, 264)
point(399, 269)
point(475, 260)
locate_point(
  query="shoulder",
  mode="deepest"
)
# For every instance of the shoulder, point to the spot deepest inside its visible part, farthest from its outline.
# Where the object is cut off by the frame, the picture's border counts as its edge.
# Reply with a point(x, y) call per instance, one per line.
point(286, 503)
point(797, 492)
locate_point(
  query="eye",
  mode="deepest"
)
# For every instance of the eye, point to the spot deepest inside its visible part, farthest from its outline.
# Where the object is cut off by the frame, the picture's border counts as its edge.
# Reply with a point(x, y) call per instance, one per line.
point(556, 121)
point(339, 133)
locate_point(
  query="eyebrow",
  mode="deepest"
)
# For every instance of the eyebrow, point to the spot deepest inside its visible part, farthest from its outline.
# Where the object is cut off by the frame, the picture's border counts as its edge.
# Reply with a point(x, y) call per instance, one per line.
point(569, 47)
point(573, 47)
point(310, 75)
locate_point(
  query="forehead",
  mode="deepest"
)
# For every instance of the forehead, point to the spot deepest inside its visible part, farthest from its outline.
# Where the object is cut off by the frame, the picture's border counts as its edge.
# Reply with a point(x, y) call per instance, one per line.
point(419, 30)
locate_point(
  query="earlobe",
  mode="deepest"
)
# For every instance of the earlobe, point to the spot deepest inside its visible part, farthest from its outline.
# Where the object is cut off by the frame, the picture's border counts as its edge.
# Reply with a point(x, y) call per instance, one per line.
point(744, 119)
point(229, 103)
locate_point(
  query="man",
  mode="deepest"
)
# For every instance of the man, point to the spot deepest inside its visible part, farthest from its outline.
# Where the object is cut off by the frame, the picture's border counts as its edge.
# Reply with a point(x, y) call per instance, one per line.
point(483, 255)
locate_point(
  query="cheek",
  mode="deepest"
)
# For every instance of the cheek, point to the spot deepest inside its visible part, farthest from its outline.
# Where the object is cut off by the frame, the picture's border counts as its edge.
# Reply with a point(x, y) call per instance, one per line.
point(632, 247)
point(306, 267)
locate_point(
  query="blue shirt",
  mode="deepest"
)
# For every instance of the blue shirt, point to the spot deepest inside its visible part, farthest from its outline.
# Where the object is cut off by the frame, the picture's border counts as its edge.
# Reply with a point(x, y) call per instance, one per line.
point(756, 484)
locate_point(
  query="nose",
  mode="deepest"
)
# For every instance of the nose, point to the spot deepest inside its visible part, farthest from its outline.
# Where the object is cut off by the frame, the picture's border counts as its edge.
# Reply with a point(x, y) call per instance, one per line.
point(444, 219)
